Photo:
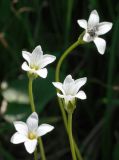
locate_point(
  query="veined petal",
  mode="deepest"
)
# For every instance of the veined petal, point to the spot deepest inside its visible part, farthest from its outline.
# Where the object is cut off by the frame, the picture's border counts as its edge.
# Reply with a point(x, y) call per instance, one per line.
point(68, 79)
point(26, 55)
point(42, 72)
point(87, 37)
point(82, 23)
point(32, 121)
point(93, 19)
point(25, 67)
point(47, 59)
point(30, 145)
point(81, 95)
point(58, 85)
point(18, 138)
point(43, 129)
point(36, 55)
point(100, 44)
point(103, 28)
point(21, 127)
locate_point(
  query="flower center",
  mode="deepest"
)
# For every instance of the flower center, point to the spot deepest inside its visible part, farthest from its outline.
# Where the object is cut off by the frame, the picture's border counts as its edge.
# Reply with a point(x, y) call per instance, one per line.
point(92, 31)
point(32, 135)
point(33, 67)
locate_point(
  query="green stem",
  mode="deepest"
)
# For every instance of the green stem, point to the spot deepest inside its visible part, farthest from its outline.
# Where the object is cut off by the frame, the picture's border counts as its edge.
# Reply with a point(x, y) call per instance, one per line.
point(31, 95)
point(35, 155)
point(70, 136)
point(42, 152)
point(33, 110)
point(57, 79)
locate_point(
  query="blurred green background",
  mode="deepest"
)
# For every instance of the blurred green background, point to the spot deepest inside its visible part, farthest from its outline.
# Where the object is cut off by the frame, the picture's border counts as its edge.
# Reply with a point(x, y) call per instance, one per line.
point(25, 24)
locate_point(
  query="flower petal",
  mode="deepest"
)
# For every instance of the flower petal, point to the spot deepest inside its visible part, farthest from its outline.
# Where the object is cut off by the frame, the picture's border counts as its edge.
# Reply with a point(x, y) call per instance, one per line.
point(47, 59)
point(100, 44)
point(36, 56)
point(93, 19)
point(42, 72)
point(18, 138)
point(32, 121)
point(78, 84)
point(25, 67)
point(58, 85)
point(82, 23)
point(81, 95)
point(43, 129)
point(103, 28)
point(21, 127)
point(30, 145)
point(68, 79)
point(26, 55)
point(87, 37)
point(60, 95)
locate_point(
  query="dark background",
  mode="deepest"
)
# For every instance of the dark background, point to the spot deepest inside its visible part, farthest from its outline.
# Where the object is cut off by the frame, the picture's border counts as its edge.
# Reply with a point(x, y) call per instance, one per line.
point(25, 24)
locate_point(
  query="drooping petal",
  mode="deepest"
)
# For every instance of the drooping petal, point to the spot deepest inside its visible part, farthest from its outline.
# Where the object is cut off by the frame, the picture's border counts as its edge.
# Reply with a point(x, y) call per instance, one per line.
point(32, 122)
point(103, 28)
point(100, 44)
point(47, 59)
point(81, 95)
point(30, 145)
point(93, 19)
point(78, 84)
point(87, 37)
point(36, 56)
point(21, 127)
point(18, 138)
point(43, 129)
point(25, 67)
point(26, 55)
point(58, 85)
point(42, 72)
point(82, 23)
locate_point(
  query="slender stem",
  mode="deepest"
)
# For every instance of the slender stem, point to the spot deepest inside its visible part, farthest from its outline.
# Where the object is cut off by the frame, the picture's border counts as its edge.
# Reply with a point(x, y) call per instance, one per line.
point(42, 152)
point(35, 154)
point(33, 110)
point(31, 95)
point(57, 79)
point(70, 136)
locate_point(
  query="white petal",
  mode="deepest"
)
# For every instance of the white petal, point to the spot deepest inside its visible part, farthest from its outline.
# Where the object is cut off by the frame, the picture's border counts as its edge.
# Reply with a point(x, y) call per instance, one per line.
point(47, 59)
point(87, 37)
point(81, 95)
point(60, 95)
point(36, 56)
point(58, 85)
point(82, 23)
point(93, 19)
point(100, 44)
point(30, 145)
point(43, 129)
point(26, 55)
point(42, 72)
point(25, 67)
point(32, 121)
point(68, 79)
point(103, 28)
point(21, 127)
point(18, 138)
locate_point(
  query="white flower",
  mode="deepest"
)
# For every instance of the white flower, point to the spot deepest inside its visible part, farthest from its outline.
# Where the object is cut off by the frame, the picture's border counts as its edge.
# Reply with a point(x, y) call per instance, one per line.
point(93, 29)
point(29, 132)
point(37, 61)
point(70, 89)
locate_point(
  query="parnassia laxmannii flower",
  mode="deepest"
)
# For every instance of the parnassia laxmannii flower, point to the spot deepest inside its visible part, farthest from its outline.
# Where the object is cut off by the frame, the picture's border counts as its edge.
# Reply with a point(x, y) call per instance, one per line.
point(93, 29)
point(70, 89)
point(36, 62)
point(29, 132)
